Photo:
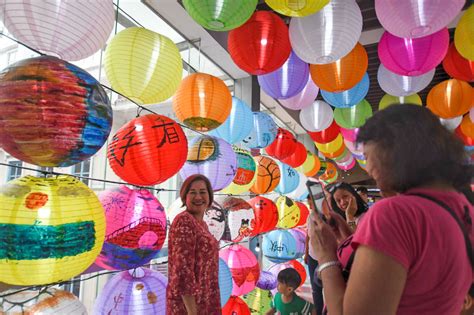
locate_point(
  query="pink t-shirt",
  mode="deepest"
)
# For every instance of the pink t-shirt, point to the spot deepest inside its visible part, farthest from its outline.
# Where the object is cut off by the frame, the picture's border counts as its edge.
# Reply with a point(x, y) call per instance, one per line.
point(428, 242)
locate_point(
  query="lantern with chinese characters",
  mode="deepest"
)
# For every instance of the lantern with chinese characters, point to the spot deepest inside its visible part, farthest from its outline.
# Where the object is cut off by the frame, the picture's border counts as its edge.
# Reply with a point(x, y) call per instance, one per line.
point(297, 157)
point(296, 8)
point(283, 145)
point(266, 214)
point(258, 300)
point(353, 117)
point(52, 229)
point(264, 131)
point(457, 66)
point(288, 212)
point(402, 85)
point(316, 117)
point(50, 122)
point(245, 175)
point(349, 97)
point(464, 34)
point(268, 175)
point(279, 246)
point(304, 98)
point(240, 218)
point(225, 282)
point(289, 179)
point(202, 102)
point(235, 306)
point(148, 150)
point(238, 124)
point(450, 98)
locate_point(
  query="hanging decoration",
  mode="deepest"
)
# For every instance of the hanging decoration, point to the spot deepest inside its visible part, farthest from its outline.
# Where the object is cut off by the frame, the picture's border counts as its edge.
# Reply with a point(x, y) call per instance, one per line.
point(308, 164)
point(240, 218)
point(288, 212)
point(300, 238)
point(298, 156)
point(401, 85)
point(225, 282)
point(450, 98)
point(332, 146)
point(330, 175)
point(464, 34)
point(268, 175)
point(301, 192)
point(457, 66)
point(296, 8)
point(235, 306)
point(267, 281)
point(279, 246)
point(266, 214)
point(304, 213)
point(304, 98)
point(452, 123)
point(283, 145)
point(289, 179)
point(264, 131)
point(467, 127)
point(238, 124)
point(388, 100)
point(349, 97)
point(353, 117)
point(295, 264)
point(327, 135)
point(258, 300)
point(245, 175)
point(316, 117)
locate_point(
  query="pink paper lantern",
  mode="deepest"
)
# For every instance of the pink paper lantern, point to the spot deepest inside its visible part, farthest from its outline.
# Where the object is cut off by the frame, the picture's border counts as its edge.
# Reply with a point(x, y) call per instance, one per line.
point(304, 98)
point(413, 56)
point(349, 134)
point(349, 166)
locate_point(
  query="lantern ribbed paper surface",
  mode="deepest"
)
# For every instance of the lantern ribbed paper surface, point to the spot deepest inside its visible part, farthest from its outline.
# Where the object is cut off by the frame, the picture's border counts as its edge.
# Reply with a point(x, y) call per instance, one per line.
point(316, 117)
point(245, 175)
point(225, 282)
point(240, 218)
point(283, 145)
point(301, 192)
point(349, 97)
point(258, 300)
point(268, 175)
point(289, 179)
point(267, 281)
point(401, 85)
point(464, 34)
point(457, 66)
point(72, 30)
point(298, 156)
point(450, 98)
point(263, 132)
point(235, 306)
point(279, 246)
point(327, 135)
point(304, 98)
point(266, 214)
point(238, 124)
point(288, 212)
point(388, 100)
point(353, 117)
point(297, 8)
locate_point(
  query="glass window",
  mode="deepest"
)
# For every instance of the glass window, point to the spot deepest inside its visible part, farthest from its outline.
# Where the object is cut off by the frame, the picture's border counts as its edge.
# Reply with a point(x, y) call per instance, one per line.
point(14, 170)
point(82, 169)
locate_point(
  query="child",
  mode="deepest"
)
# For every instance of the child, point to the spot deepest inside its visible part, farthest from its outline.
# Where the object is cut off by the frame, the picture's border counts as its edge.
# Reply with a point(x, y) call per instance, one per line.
point(286, 302)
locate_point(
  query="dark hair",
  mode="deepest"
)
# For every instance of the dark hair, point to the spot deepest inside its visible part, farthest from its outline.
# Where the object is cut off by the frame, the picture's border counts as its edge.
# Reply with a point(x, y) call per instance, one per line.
point(415, 149)
point(361, 205)
point(290, 277)
point(186, 186)
point(362, 189)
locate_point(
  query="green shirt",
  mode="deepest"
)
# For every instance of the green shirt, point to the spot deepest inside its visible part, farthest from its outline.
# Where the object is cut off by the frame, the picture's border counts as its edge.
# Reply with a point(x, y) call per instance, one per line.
point(297, 306)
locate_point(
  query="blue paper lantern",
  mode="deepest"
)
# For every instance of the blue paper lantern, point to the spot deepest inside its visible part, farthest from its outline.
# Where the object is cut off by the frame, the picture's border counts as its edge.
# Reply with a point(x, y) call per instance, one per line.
point(279, 246)
point(264, 131)
point(289, 179)
point(288, 80)
point(225, 281)
point(238, 125)
point(349, 97)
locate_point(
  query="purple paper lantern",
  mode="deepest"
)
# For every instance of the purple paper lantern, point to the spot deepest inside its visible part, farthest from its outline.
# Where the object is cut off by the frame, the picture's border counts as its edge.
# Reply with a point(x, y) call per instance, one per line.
point(267, 280)
point(288, 80)
point(413, 56)
point(137, 291)
point(304, 98)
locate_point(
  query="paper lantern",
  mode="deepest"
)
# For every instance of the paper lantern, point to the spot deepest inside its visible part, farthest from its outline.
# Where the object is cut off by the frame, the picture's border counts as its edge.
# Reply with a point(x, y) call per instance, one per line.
point(220, 15)
point(137, 291)
point(327, 135)
point(414, 56)
point(289, 179)
point(264, 131)
point(347, 166)
point(245, 175)
point(148, 150)
point(143, 65)
point(261, 45)
point(296, 8)
point(238, 124)
point(295, 264)
point(213, 158)
point(244, 268)
point(400, 85)
point(267, 280)
point(304, 98)
point(464, 34)
point(136, 228)
point(450, 98)
point(288, 80)
point(301, 192)
point(349, 97)
point(225, 282)
point(388, 100)
point(258, 300)
point(329, 34)
point(316, 117)
point(413, 19)
point(330, 175)
point(240, 218)
point(298, 156)
point(288, 212)
point(283, 145)
point(300, 238)
point(349, 134)
point(354, 116)
point(334, 154)
point(266, 214)
point(457, 66)
point(354, 147)
point(50, 122)
point(202, 102)
point(304, 213)
point(268, 175)
point(467, 127)
point(51, 229)
point(47, 301)
point(235, 306)
point(343, 74)
point(279, 246)
point(71, 30)
point(451, 123)
point(332, 146)
point(468, 141)
point(308, 163)
point(315, 168)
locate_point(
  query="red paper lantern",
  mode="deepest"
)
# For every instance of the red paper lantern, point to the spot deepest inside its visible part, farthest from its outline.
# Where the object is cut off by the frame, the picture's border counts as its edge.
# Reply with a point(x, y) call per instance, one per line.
point(465, 139)
point(304, 213)
point(235, 306)
point(266, 214)
point(300, 269)
point(148, 150)
point(283, 146)
point(327, 135)
point(298, 156)
point(457, 66)
point(261, 45)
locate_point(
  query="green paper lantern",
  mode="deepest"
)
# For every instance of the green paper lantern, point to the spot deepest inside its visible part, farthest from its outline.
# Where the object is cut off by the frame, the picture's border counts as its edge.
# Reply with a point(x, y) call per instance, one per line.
point(388, 100)
point(220, 15)
point(258, 300)
point(353, 117)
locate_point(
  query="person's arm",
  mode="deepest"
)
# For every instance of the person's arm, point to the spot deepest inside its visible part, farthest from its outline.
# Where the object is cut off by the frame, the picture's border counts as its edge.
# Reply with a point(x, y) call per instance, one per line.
point(306, 249)
point(190, 304)
point(313, 311)
point(270, 312)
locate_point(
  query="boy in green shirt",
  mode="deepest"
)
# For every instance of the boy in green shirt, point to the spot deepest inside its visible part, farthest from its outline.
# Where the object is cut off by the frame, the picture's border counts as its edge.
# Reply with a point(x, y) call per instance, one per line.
point(286, 302)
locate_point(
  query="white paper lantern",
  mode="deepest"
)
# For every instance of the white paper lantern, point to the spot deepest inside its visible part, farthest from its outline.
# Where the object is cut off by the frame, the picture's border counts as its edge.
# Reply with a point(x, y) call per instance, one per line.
point(327, 35)
point(451, 123)
point(70, 30)
point(401, 85)
point(316, 117)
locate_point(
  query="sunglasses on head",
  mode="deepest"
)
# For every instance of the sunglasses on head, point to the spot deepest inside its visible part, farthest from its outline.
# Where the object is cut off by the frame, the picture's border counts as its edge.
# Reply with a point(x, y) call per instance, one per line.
point(332, 188)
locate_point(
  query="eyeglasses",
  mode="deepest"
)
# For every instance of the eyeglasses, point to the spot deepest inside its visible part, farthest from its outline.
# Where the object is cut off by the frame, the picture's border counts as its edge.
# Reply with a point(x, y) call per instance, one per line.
point(332, 188)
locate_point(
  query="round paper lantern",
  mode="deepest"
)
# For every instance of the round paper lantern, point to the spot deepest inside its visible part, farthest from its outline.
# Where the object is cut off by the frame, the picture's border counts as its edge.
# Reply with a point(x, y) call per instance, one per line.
point(327, 135)
point(413, 19)
point(148, 150)
point(298, 156)
point(288, 212)
point(296, 8)
point(467, 127)
point(304, 98)
point(246, 173)
point(264, 131)
point(354, 147)
point(308, 163)
point(464, 34)
point(137, 291)
point(235, 306)
point(240, 218)
point(50, 122)
point(301, 192)
point(244, 268)
point(331, 174)
point(220, 15)
point(350, 134)
point(315, 168)
point(300, 238)
point(289, 179)
point(450, 98)
point(294, 264)
point(333, 155)
point(332, 146)
point(213, 158)
point(135, 228)
point(457, 66)
point(354, 116)
point(267, 281)
point(143, 65)
point(388, 100)
point(225, 282)
point(304, 213)
point(349, 97)
point(283, 146)
point(288, 80)
point(415, 56)
point(279, 246)
point(268, 175)
point(343, 74)
point(451, 123)
point(468, 141)
point(52, 229)
point(347, 166)
point(258, 300)
point(401, 85)
point(266, 214)
point(71, 30)
point(48, 302)
point(316, 117)
point(238, 124)
point(340, 23)
point(261, 45)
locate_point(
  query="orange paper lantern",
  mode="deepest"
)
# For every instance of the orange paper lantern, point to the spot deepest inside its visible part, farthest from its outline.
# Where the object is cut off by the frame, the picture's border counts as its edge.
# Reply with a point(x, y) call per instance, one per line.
point(268, 175)
point(316, 167)
point(467, 126)
point(266, 214)
point(450, 98)
point(331, 173)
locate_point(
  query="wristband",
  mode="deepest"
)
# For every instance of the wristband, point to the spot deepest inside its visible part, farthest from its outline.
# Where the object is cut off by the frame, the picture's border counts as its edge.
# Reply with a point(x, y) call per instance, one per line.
point(328, 264)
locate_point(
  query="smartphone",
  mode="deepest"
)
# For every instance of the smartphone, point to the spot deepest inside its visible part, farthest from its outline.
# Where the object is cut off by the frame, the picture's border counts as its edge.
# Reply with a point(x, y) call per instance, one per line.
point(317, 198)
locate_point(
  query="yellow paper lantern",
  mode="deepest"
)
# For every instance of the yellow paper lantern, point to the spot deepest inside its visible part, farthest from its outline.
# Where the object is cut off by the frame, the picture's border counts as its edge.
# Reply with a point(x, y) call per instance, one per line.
point(298, 8)
point(51, 229)
point(288, 212)
point(143, 65)
point(332, 146)
point(308, 164)
point(464, 34)
point(246, 173)
point(316, 167)
point(388, 100)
